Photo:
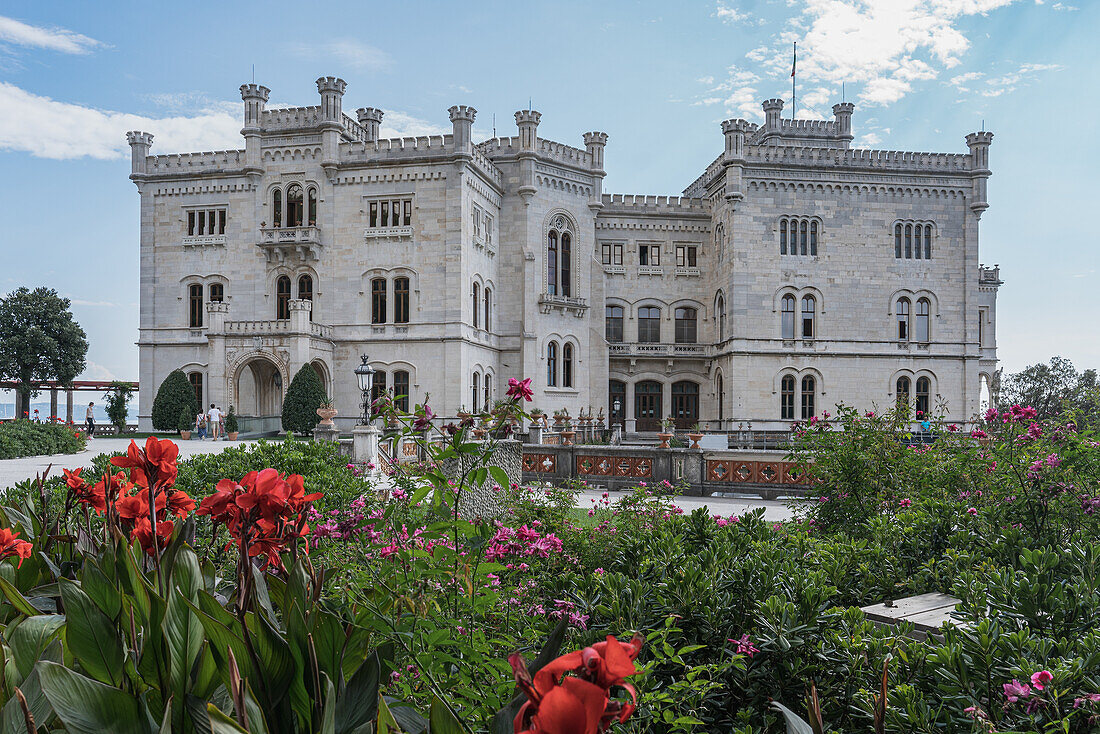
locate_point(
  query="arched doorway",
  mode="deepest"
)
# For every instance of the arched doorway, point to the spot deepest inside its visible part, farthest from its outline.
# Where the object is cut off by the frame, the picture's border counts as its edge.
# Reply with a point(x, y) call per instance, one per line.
point(647, 405)
point(322, 373)
point(685, 404)
point(259, 389)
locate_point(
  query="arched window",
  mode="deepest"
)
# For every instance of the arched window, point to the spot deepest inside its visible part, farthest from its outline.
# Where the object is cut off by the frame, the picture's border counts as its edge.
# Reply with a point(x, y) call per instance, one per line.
point(786, 398)
point(475, 391)
point(809, 305)
point(613, 324)
point(649, 324)
point(808, 387)
point(305, 291)
point(476, 305)
point(552, 263)
point(903, 319)
point(401, 390)
point(378, 388)
point(217, 292)
point(567, 365)
point(908, 241)
point(783, 237)
point(913, 240)
point(813, 238)
point(802, 238)
point(552, 364)
point(685, 325)
point(916, 241)
point(311, 197)
point(282, 297)
point(488, 391)
point(277, 208)
point(920, 327)
point(788, 317)
point(897, 241)
point(902, 395)
point(566, 264)
point(488, 299)
point(194, 305)
point(721, 308)
point(616, 401)
point(720, 394)
point(928, 242)
point(378, 301)
point(401, 300)
point(924, 388)
point(195, 378)
point(294, 205)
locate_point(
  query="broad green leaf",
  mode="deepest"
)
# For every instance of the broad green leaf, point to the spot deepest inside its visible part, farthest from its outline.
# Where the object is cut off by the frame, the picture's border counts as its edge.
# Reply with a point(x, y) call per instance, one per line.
point(328, 713)
point(90, 635)
point(795, 723)
point(359, 702)
point(184, 634)
point(87, 707)
point(12, 718)
point(16, 599)
point(100, 589)
point(223, 635)
point(500, 477)
point(186, 573)
point(274, 655)
point(221, 723)
point(30, 637)
point(442, 719)
point(386, 723)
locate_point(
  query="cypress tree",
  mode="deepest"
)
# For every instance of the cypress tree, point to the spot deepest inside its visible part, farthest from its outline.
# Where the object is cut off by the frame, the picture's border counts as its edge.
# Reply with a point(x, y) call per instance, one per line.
point(303, 398)
point(174, 394)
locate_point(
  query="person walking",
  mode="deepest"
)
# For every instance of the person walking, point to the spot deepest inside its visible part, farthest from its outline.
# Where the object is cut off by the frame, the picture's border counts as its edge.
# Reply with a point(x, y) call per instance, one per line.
point(89, 420)
point(200, 426)
point(214, 421)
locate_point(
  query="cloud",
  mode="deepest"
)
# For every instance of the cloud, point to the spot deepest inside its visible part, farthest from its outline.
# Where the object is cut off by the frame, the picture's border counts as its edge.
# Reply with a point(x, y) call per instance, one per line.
point(402, 125)
point(347, 51)
point(734, 16)
point(995, 86)
point(1065, 8)
point(97, 372)
point(81, 302)
point(18, 33)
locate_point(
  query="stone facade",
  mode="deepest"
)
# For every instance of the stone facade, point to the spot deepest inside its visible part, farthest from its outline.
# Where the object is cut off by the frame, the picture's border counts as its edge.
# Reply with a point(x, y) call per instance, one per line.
point(318, 241)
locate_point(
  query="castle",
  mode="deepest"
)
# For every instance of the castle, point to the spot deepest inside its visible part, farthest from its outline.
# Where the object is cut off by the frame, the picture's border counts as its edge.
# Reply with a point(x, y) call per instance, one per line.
point(796, 273)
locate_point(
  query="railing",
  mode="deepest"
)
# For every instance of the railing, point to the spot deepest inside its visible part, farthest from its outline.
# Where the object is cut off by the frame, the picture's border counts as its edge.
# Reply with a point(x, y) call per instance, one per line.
point(280, 243)
point(204, 240)
point(548, 302)
point(280, 326)
point(259, 424)
point(650, 349)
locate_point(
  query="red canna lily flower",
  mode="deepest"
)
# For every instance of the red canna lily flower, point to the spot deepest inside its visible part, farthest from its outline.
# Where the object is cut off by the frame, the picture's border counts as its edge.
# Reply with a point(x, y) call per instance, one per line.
point(143, 534)
point(11, 546)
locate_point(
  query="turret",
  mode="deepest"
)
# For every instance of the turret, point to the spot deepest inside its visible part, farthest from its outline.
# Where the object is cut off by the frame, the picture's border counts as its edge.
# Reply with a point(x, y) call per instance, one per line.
point(979, 169)
point(331, 89)
point(370, 119)
point(842, 113)
point(140, 143)
point(462, 122)
point(255, 98)
point(528, 123)
point(772, 109)
point(594, 144)
point(734, 131)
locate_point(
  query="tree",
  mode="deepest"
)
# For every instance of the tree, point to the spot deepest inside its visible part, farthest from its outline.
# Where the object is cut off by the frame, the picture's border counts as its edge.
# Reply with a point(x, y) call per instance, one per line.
point(174, 394)
point(39, 341)
point(304, 396)
point(118, 394)
point(1054, 389)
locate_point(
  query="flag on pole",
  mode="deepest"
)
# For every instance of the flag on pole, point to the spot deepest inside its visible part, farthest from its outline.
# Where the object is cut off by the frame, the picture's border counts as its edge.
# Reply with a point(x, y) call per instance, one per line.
point(794, 59)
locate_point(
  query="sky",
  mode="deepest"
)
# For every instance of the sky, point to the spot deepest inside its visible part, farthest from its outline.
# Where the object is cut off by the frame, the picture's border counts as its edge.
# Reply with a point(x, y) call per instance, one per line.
point(658, 77)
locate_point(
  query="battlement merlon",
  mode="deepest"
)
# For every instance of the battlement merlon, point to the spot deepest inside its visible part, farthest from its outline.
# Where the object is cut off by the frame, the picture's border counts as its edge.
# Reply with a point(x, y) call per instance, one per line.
point(648, 204)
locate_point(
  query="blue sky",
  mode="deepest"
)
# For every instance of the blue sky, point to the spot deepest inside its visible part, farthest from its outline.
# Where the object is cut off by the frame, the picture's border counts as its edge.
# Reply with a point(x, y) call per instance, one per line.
point(657, 76)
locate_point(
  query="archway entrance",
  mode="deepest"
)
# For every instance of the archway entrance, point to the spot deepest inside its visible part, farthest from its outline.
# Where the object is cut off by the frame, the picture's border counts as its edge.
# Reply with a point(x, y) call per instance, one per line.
point(259, 389)
point(647, 405)
point(685, 404)
point(319, 368)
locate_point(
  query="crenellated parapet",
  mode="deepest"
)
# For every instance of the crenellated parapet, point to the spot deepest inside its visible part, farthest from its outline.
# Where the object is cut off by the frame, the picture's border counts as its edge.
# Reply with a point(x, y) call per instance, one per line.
point(370, 120)
point(140, 143)
point(648, 203)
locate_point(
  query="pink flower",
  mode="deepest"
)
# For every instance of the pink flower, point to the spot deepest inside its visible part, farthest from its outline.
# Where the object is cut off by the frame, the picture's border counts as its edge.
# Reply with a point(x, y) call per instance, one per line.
point(1040, 679)
point(520, 389)
point(978, 433)
point(991, 415)
point(744, 646)
point(1016, 690)
point(906, 502)
point(599, 572)
point(423, 420)
point(1090, 698)
point(971, 511)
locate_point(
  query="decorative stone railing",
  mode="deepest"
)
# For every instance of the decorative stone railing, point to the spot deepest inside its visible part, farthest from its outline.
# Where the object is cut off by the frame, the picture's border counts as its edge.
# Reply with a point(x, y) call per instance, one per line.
point(565, 304)
point(284, 243)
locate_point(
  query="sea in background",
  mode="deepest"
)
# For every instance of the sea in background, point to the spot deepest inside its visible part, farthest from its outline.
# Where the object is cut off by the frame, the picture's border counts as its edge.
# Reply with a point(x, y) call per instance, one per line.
point(7, 407)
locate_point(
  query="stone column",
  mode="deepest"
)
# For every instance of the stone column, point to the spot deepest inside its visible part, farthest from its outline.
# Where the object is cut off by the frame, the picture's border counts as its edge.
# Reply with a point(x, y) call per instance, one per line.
point(68, 406)
point(364, 446)
point(53, 405)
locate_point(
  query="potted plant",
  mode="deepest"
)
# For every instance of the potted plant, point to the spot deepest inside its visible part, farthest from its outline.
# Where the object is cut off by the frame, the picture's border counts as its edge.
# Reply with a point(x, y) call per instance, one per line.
point(666, 432)
point(186, 423)
point(559, 417)
point(695, 434)
point(599, 418)
point(463, 414)
point(231, 424)
point(327, 411)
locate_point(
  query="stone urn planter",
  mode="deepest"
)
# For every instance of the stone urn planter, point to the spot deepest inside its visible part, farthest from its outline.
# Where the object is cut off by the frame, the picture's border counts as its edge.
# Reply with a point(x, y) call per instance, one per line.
point(327, 413)
point(232, 435)
point(695, 439)
point(567, 437)
point(665, 438)
point(185, 435)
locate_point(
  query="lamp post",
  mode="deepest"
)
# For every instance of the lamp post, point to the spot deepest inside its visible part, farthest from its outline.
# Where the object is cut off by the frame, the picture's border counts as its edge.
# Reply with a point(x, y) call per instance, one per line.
point(364, 373)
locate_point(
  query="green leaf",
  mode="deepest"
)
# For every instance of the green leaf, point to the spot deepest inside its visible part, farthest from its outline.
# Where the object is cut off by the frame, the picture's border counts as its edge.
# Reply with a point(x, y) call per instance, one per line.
point(442, 719)
point(221, 723)
point(500, 477)
point(12, 718)
point(274, 655)
point(224, 635)
point(30, 637)
point(187, 574)
point(328, 714)
point(16, 599)
point(100, 589)
point(184, 634)
point(386, 723)
point(359, 702)
point(795, 723)
point(90, 635)
point(87, 707)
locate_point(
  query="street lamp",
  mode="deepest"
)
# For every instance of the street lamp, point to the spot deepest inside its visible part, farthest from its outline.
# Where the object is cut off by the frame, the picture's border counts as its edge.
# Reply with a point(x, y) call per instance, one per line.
point(616, 406)
point(364, 373)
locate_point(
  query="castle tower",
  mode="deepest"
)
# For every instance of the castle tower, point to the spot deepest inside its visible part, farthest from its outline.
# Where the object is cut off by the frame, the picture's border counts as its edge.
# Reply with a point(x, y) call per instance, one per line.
point(462, 123)
point(140, 142)
point(772, 110)
point(594, 144)
point(979, 172)
point(255, 98)
point(528, 123)
point(370, 119)
point(842, 113)
point(331, 89)
point(734, 132)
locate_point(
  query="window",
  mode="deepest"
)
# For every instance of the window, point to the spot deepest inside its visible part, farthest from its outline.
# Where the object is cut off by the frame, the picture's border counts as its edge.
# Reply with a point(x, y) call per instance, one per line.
point(552, 364)
point(488, 230)
point(903, 319)
point(195, 378)
point(808, 385)
point(378, 388)
point(924, 387)
point(559, 259)
point(913, 240)
point(488, 391)
point(566, 264)
point(311, 197)
point(305, 291)
point(475, 220)
point(685, 325)
point(908, 241)
point(378, 301)
point(217, 292)
point(720, 306)
point(194, 300)
point(389, 213)
point(897, 240)
point(808, 308)
point(786, 398)
point(788, 317)
point(282, 297)
point(475, 391)
point(685, 404)
point(720, 394)
point(981, 327)
point(277, 208)
point(476, 305)
point(902, 395)
point(552, 263)
point(205, 222)
point(488, 304)
point(294, 205)
point(798, 236)
point(613, 324)
point(649, 324)
point(920, 328)
point(612, 253)
point(686, 256)
point(928, 242)
point(616, 401)
point(567, 365)
point(401, 300)
point(401, 390)
point(649, 255)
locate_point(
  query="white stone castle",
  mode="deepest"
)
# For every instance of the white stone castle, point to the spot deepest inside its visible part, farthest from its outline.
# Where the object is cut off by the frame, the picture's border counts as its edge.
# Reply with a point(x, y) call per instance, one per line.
point(794, 274)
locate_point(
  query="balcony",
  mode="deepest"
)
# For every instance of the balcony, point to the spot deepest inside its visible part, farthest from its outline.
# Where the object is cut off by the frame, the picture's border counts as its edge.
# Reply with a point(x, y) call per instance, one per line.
point(388, 233)
point(273, 327)
point(688, 272)
point(206, 240)
point(281, 244)
point(650, 270)
point(565, 304)
point(633, 349)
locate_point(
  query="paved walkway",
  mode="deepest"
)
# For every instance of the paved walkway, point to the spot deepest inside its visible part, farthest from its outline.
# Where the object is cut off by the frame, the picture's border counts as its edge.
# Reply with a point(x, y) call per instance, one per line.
point(774, 510)
point(16, 470)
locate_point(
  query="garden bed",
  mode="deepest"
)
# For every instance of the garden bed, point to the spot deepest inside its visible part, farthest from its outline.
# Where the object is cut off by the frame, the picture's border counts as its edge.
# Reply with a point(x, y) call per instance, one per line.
point(21, 438)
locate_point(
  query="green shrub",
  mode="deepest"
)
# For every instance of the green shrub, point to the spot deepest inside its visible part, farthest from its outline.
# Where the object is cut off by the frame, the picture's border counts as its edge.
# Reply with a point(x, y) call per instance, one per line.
point(174, 393)
point(117, 395)
point(27, 438)
point(304, 396)
point(231, 421)
point(186, 419)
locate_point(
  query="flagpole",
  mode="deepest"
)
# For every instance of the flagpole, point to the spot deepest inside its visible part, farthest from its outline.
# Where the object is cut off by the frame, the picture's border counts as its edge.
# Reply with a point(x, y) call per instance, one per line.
point(794, 67)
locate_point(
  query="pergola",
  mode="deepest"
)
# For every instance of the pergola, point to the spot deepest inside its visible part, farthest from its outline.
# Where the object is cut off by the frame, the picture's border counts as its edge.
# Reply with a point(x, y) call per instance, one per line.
point(54, 387)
